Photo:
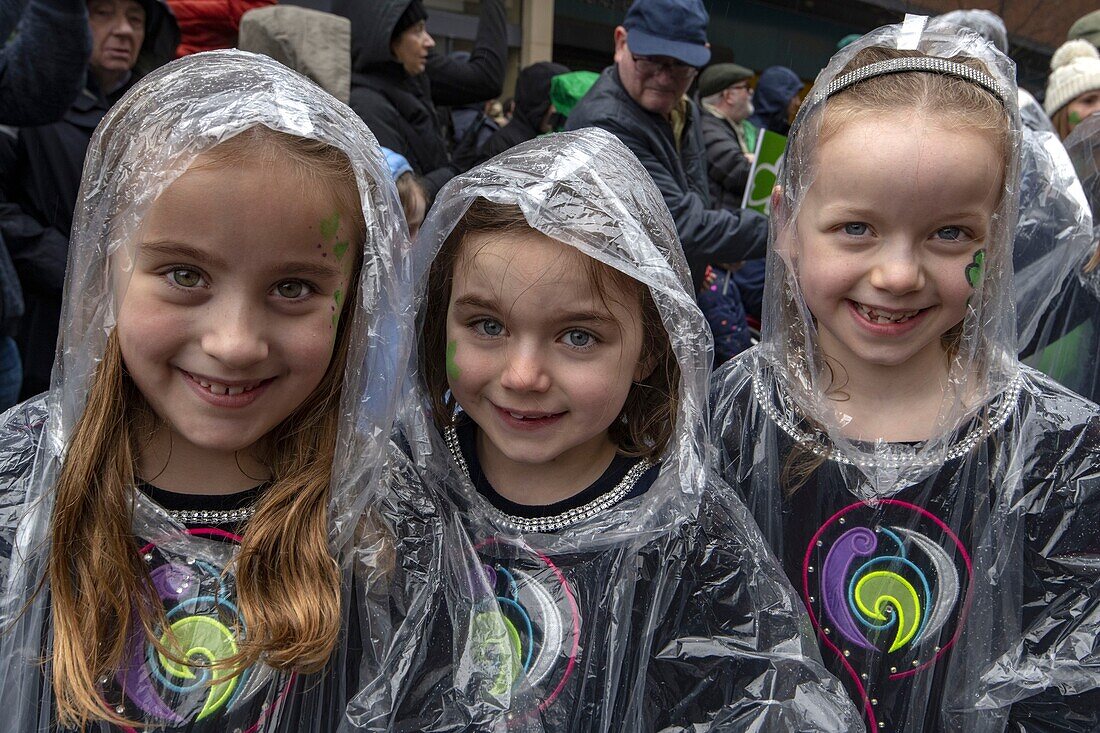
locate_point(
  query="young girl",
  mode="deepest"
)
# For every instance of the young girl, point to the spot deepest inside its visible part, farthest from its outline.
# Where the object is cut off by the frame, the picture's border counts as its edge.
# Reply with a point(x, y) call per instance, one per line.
point(178, 504)
point(934, 502)
point(593, 574)
point(1062, 335)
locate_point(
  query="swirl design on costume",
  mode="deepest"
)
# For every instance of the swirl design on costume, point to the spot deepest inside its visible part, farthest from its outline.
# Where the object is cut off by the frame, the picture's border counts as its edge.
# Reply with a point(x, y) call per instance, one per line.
point(206, 627)
point(889, 588)
point(525, 630)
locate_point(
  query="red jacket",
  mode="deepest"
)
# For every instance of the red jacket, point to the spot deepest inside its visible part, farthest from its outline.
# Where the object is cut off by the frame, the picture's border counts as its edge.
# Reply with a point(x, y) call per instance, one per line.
point(209, 24)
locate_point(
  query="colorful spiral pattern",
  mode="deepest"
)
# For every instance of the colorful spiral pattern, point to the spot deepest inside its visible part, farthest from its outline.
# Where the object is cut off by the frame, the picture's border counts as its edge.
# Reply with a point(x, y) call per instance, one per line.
point(887, 588)
point(525, 631)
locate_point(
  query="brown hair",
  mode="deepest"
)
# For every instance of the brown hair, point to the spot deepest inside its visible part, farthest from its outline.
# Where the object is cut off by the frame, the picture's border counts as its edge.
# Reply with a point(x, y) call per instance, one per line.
point(99, 585)
point(1060, 121)
point(645, 425)
point(955, 103)
point(414, 200)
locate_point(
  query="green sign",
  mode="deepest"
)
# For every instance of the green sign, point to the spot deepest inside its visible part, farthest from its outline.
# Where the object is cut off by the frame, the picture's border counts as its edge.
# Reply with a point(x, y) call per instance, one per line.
point(765, 171)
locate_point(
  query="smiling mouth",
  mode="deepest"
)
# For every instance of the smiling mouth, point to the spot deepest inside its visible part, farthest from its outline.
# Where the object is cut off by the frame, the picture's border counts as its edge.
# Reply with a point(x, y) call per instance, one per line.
point(219, 388)
point(885, 316)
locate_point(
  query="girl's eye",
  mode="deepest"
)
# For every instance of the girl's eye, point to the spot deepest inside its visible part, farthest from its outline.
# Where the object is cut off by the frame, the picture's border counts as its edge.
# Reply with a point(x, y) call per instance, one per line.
point(855, 229)
point(579, 339)
point(185, 278)
point(950, 233)
point(293, 289)
point(489, 327)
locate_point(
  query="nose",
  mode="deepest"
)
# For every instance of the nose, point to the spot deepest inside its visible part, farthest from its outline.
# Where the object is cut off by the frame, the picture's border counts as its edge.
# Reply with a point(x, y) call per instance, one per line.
point(429, 42)
point(526, 369)
point(124, 27)
point(234, 336)
point(897, 270)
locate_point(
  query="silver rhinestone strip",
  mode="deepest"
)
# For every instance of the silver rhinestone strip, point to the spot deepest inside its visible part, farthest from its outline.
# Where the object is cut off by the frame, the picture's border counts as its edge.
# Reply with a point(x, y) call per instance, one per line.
point(928, 64)
point(558, 521)
point(208, 516)
point(817, 445)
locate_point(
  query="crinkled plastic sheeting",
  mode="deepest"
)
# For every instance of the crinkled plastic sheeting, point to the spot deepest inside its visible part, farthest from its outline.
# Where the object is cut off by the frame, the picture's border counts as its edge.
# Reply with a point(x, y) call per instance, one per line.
point(663, 612)
point(145, 142)
point(952, 581)
point(1062, 336)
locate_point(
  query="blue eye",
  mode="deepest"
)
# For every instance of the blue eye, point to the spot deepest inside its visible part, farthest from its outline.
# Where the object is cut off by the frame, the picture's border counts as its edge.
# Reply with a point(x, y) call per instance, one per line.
point(855, 229)
point(185, 277)
point(579, 339)
point(489, 327)
point(950, 233)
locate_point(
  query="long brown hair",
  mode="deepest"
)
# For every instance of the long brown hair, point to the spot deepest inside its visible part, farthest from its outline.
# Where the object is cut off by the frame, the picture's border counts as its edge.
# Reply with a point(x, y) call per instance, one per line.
point(646, 423)
point(99, 585)
point(955, 102)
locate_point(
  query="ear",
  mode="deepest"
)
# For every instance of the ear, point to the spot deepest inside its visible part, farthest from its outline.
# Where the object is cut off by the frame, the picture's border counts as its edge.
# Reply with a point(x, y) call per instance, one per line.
point(620, 43)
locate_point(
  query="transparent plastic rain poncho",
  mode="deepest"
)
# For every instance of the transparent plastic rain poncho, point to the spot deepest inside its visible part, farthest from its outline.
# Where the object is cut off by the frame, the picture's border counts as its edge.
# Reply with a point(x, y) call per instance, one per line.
point(144, 143)
point(952, 581)
point(1062, 335)
point(661, 612)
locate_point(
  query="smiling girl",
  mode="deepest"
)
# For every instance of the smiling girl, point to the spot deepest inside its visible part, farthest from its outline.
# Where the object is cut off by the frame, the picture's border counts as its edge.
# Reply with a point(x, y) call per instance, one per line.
point(594, 575)
point(177, 508)
point(934, 501)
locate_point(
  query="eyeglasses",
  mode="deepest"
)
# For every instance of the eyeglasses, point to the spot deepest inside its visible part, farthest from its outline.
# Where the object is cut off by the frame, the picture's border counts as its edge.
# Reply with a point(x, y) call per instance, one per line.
point(652, 65)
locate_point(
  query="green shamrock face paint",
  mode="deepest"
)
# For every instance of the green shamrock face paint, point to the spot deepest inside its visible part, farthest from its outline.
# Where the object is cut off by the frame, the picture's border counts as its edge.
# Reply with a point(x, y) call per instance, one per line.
point(1074, 118)
point(330, 226)
point(338, 299)
point(453, 370)
point(975, 270)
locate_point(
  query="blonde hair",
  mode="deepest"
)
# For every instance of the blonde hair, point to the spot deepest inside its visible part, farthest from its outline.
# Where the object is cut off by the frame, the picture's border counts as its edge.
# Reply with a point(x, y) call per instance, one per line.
point(99, 585)
point(645, 425)
point(955, 103)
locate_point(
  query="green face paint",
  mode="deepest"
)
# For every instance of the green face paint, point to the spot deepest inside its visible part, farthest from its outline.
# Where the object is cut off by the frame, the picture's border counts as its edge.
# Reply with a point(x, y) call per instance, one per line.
point(339, 249)
point(330, 226)
point(453, 370)
point(976, 269)
point(1074, 118)
point(338, 299)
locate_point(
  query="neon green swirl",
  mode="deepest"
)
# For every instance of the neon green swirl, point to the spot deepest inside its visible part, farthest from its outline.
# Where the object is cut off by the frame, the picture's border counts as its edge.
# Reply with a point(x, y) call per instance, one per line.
point(496, 644)
point(202, 636)
point(875, 591)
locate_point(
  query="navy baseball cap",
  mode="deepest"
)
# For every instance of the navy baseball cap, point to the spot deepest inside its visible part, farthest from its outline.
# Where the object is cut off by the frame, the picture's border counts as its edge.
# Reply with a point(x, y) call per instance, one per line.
point(673, 28)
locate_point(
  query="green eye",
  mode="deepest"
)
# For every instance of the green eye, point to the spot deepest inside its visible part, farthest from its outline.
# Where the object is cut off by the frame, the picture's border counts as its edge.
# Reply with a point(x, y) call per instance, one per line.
point(292, 289)
point(186, 278)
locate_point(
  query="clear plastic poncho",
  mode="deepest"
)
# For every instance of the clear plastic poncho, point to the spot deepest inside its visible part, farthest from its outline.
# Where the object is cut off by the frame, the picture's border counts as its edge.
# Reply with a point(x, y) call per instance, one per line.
point(661, 612)
point(1062, 337)
point(143, 144)
point(952, 581)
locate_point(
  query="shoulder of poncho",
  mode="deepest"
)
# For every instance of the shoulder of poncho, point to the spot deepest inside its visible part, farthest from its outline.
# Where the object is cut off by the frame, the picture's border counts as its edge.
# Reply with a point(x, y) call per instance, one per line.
point(1054, 407)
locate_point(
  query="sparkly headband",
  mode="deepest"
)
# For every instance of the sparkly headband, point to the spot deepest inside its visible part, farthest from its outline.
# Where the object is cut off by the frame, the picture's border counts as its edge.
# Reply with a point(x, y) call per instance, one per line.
point(928, 64)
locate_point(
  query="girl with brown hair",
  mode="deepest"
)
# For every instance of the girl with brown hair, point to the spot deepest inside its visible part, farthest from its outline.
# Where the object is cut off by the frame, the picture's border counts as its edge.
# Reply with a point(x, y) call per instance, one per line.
point(593, 574)
point(184, 501)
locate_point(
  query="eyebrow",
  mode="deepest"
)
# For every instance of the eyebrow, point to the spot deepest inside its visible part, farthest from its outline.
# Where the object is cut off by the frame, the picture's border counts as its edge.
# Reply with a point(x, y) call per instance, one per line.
point(476, 302)
point(175, 249)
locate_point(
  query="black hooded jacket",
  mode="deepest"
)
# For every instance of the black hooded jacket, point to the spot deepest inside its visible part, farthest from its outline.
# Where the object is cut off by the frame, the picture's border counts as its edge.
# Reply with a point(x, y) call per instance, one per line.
point(40, 170)
point(708, 235)
point(400, 109)
point(532, 101)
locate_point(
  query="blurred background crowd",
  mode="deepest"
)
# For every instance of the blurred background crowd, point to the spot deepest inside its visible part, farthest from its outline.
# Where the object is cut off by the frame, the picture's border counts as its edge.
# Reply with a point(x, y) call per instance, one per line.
point(446, 84)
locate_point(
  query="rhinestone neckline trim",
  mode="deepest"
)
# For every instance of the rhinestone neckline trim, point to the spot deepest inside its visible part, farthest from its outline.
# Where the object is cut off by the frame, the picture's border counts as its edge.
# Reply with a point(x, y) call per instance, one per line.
point(817, 447)
point(558, 521)
point(212, 517)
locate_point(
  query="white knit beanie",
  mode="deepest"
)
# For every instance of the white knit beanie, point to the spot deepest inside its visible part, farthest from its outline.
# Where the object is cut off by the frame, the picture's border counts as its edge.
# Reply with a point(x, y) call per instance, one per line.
point(1074, 70)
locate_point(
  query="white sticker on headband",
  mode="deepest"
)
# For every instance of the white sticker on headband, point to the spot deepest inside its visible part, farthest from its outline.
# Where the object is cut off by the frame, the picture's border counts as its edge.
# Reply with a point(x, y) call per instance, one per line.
point(911, 29)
